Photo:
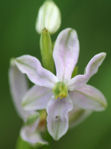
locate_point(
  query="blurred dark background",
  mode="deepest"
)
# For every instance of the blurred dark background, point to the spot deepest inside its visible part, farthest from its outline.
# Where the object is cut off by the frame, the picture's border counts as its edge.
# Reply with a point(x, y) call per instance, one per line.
point(92, 20)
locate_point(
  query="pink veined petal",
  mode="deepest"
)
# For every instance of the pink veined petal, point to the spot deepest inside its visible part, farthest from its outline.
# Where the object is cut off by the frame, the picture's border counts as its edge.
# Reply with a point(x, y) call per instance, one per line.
point(91, 68)
point(36, 98)
point(66, 52)
point(57, 119)
point(31, 66)
point(18, 88)
point(88, 97)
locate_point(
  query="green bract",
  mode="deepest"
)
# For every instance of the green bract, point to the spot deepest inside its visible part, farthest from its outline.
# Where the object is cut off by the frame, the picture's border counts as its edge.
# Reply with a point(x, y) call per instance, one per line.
point(46, 49)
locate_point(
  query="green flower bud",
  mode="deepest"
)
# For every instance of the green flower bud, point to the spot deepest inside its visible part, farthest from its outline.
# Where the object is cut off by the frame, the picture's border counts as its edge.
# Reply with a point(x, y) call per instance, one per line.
point(49, 17)
point(46, 48)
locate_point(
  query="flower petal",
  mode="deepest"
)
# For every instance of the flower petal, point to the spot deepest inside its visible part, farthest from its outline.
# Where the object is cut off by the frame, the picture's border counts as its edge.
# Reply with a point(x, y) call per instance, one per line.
point(57, 120)
point(90, 70)
point(31, 136)
point(18, 88)
point(88, 97)
point(77, 82)
point(36, 98)
point(31, 66)
point(66, 52)
point(78, 115)
point(94, 64)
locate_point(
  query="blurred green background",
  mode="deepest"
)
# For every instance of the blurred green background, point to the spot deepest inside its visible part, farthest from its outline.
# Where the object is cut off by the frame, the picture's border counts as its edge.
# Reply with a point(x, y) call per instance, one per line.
point(92, 20)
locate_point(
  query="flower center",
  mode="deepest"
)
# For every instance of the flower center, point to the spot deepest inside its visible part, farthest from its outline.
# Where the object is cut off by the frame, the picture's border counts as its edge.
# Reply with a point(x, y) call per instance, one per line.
point(60, 90)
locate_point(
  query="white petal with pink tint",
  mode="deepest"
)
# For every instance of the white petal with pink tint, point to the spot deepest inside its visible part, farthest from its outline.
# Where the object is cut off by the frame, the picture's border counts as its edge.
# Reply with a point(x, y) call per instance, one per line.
point(18, 88)
point(31, 135)
point(31, 66)
point(37, 98)
point(94, 64)
point(66, 52)
point(91, 69)
point(88, 97)
point(57, 119)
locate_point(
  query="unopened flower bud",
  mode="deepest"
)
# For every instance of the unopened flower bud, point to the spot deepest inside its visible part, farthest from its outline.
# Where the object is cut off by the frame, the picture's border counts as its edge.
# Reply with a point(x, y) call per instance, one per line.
point(49, 17)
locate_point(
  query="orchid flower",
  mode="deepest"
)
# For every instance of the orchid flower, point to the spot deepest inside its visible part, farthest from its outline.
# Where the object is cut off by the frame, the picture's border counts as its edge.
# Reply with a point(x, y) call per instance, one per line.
point(19, 87)
point(61, 94)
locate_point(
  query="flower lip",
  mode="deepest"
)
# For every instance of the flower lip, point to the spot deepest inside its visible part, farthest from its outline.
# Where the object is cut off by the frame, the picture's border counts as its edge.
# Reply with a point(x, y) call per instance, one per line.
point(60, 90)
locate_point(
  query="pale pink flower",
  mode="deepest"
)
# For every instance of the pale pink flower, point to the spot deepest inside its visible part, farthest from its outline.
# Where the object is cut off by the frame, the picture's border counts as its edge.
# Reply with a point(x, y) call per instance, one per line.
point(60, 94)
